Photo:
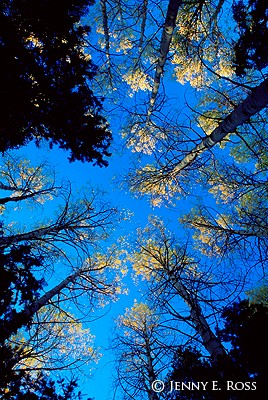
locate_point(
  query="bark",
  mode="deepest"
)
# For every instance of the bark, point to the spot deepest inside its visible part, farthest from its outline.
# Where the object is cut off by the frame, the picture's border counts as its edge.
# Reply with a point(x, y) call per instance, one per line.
point(169, 26)
point(151, 374)
point(217, 11)
point(210, 341)
point(7, 187)
point(37, 234)
point(106, 30)
point(143, 24)
point(23, 318)
point(254, 103)
point(26, 196)
point(64, 225)
point(252, 231)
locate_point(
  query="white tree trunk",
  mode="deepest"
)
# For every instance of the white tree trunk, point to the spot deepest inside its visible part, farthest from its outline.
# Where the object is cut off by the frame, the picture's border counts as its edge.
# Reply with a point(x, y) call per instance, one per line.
point(32, 235)
point(169, 26)
point(254, 103)
point(151, 374)
point(143, 24)
point(211, 343)
point(106, 30)
point(24, 317)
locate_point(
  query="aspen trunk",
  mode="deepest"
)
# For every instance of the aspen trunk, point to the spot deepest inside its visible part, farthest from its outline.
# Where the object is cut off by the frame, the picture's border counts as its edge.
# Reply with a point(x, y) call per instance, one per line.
point(254, 103)
point(143, 24)
point(32, 235)
point(255, 231)
point(24, 317)
point(106, 30)
point(152, 394)
point(210, 341)
point(169, 26)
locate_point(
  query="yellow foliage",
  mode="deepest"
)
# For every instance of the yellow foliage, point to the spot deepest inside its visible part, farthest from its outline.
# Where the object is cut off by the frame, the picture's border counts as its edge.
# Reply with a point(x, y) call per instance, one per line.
point(190, 70)
point(163, 187)
point(198, 46)
point(208, 122)
point(144, 140)
point(125, 44)
point(138, 318)
point(222, 192)
point(60, 339)
point(138, 80)
point(145, 264)
point(34, 41)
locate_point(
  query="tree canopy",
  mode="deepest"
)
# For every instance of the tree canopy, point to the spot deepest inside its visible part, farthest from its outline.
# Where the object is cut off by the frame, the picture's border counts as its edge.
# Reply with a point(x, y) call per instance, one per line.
point(245, 330)
point(183, 85)
point(250, 49)
point(45, 80)
point(48, 267)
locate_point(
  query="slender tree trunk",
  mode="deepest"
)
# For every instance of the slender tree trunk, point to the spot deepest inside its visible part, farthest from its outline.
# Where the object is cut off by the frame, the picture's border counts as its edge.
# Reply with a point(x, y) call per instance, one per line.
point(254, 103)
point(152, 394)
point(26, 196)
point(24, 317)
point(210, 341)
point(32, 235)
point(251, 231)
point(169, 26)
point(106, 30)
point(143, 24)
point(217, 11)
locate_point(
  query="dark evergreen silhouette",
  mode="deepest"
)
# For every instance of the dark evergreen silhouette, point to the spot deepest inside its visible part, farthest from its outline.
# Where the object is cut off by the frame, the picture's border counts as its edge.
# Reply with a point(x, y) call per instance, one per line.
point(245, 331)
point(190, 366)
point(251, 49)
point(24, 386)
point(19, 289)
point(45, 80)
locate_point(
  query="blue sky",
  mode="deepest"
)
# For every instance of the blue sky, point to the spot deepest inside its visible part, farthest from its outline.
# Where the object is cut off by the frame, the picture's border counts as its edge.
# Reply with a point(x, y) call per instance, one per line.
point(99, 385)
point(80, 174)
